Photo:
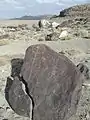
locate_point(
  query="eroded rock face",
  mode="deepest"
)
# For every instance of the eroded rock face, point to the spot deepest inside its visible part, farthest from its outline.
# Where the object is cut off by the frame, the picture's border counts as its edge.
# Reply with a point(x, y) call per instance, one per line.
point(53, 82)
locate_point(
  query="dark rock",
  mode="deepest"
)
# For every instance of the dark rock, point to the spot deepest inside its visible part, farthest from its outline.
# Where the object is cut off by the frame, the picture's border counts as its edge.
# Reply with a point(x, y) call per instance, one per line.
point(8, 87)
point(7, 108)
point(41, 39)
point(48, 37)
point(39, 24)
point(12, 27)
point(15, 94)
point(51, 80)
point(16, 66)
point(84, 69)
point(17, 99)
point(22, 26)
point(52, 36)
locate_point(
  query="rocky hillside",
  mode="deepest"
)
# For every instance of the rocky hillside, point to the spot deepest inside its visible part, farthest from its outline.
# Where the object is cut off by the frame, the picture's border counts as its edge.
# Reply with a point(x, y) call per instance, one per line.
point(79, 10)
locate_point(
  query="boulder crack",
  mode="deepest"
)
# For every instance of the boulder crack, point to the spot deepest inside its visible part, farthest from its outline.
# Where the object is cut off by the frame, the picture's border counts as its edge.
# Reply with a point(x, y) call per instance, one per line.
point(26, 91)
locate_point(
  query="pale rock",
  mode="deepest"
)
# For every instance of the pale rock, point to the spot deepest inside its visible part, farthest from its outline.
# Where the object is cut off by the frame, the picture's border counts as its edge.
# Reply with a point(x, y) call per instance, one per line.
point(44, 23)
point(63, 34)
point(12, 30)
point(54, 24)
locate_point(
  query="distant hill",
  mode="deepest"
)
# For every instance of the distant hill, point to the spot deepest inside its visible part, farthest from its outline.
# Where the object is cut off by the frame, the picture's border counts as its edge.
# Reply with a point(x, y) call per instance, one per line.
point(32, 17)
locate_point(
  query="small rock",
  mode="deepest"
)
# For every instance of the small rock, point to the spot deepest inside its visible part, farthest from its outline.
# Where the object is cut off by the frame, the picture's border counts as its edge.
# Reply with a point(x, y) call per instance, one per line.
point(84, 34)
point(36, 27)
point(12, 30)
point(23, 26)
point(63, 35)
point(49, 37)
point(44, 23)
point(83, 69)
point(40, 39)
point(54, 24)
point(4, 36)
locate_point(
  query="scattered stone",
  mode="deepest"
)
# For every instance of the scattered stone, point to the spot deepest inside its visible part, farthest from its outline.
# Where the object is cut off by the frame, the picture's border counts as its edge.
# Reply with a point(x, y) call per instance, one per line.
point(40, 39)
point(2, 31)
point(4, 36)
point(64, 35)
point(55, 25)
point(86, 85)
point(84, 34)
point(12, 30)
point(66, 23)
point(53, 36)
point(44, 24)
point(74, 23)
point(48, 37)
point(36, 27)
point(84, 69)
point(12, 27)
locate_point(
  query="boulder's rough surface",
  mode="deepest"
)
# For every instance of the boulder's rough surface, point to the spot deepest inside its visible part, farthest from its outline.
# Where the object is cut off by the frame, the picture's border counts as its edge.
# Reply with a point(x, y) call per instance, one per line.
point(53, 82)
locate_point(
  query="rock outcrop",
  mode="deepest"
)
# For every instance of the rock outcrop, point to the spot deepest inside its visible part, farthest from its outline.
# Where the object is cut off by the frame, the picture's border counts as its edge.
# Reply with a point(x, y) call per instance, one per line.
point(78, 10)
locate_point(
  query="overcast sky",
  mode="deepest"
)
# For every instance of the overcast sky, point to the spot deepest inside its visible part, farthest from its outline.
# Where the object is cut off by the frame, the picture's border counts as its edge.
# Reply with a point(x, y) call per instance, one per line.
point(17, 8)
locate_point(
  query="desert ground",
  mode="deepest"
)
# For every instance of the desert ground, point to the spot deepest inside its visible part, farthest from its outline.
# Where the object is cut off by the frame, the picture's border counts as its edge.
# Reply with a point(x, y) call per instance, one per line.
point(17, 35)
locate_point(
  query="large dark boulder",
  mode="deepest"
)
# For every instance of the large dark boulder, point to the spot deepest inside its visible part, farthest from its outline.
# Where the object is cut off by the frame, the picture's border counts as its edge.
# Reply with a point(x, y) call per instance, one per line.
point(52, 82)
